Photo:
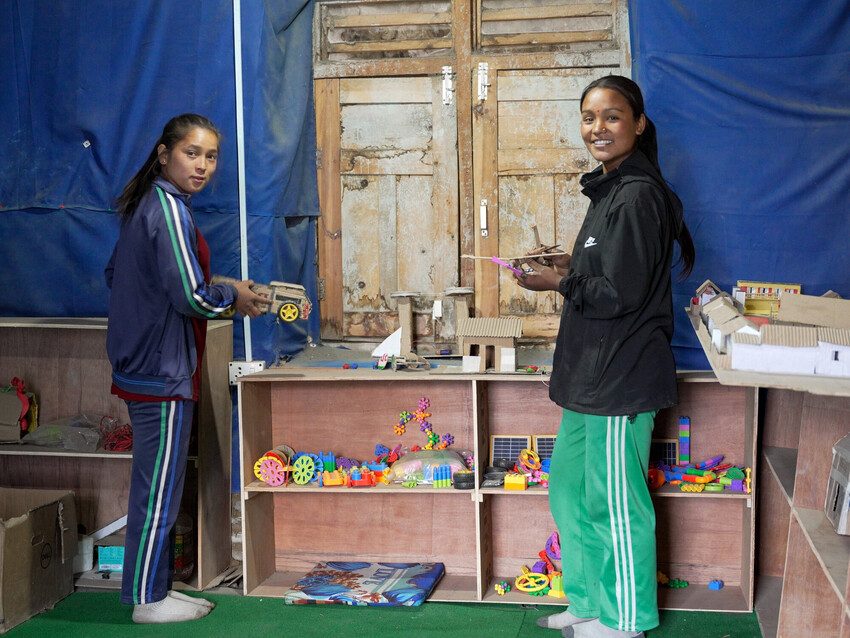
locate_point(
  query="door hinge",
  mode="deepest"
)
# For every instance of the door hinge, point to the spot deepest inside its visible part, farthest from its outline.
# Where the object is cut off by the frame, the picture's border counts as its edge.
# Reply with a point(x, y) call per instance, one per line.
point(483, 81)
point(320, 293)
point(482, 217)
point(448, 85)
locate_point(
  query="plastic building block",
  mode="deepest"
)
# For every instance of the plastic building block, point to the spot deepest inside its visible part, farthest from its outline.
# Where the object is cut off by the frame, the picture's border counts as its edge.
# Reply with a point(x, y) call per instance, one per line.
point(332, 479)
point(442, 476)
point(715, 585)
point(516, 481)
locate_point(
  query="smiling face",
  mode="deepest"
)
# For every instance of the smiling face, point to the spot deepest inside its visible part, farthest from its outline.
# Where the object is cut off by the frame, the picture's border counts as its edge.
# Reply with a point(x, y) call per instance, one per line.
point(191, 162)
point(608, 127)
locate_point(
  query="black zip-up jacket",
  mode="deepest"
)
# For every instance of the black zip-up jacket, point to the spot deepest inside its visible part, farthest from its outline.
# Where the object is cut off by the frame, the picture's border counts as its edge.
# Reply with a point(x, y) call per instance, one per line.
point(612, 355)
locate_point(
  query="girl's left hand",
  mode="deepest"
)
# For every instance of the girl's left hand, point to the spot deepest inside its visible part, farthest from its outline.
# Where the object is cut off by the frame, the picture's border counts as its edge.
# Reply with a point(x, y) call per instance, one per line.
point(541, 278)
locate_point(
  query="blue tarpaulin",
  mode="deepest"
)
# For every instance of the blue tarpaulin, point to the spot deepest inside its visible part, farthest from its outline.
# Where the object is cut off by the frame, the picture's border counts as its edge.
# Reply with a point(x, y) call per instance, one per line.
point(87, 87)
point(752, 105)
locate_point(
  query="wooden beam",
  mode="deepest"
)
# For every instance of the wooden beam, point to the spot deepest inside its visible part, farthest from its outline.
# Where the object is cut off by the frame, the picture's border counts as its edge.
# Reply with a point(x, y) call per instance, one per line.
point(558, 37)
point(397, 45)
point(388, 19)
point(330, 199)
point(548, 12)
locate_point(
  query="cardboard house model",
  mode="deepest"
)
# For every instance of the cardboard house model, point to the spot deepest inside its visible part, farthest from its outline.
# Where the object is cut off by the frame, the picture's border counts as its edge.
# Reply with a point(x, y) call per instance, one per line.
point(486, 337)
point(795, 345)
point(723, 319)
point(707, 291)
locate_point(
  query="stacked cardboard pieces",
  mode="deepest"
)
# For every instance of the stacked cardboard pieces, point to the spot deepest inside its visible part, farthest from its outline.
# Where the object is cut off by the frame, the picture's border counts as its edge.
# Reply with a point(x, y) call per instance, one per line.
point(810, 337)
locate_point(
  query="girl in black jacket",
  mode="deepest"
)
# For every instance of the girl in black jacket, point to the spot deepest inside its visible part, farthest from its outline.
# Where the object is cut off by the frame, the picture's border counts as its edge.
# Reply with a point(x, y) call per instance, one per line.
point(613, 367)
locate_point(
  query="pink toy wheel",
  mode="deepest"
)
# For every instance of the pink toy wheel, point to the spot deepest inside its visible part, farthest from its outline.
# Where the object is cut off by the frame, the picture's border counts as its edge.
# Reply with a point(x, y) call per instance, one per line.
point(272, 472)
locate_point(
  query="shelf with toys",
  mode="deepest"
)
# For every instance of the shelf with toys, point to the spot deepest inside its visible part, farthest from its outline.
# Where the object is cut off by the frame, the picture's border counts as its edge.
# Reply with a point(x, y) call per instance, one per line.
point(485, 535)
point(63, 362)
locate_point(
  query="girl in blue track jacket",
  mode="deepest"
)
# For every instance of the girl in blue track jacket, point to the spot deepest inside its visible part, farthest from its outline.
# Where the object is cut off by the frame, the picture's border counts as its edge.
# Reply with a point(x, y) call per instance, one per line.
point(613, 368)
point(158, 306)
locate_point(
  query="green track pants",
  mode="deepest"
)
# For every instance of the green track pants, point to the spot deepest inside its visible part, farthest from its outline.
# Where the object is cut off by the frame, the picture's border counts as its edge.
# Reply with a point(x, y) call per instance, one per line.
point(600, 501)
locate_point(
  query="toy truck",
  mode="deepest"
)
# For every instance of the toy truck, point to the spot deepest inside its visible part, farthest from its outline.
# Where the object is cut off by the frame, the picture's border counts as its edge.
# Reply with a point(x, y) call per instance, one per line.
point(288, 301)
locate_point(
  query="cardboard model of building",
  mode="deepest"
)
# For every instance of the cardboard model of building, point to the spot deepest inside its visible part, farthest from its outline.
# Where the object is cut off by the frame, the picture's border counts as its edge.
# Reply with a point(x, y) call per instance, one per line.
point(486, 336)
point(837, 506)
point(707, 291)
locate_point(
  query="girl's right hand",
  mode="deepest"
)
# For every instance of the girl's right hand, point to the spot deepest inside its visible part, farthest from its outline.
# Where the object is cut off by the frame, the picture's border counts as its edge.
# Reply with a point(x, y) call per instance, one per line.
point(248, 303)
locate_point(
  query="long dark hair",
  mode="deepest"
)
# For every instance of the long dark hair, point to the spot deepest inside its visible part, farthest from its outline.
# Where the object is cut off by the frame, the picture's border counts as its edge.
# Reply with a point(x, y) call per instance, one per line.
point(647, 143)
point(174, 130)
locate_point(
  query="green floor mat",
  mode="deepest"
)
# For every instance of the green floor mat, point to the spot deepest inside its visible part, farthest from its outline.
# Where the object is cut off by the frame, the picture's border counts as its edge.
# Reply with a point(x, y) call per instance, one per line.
point(96, 615)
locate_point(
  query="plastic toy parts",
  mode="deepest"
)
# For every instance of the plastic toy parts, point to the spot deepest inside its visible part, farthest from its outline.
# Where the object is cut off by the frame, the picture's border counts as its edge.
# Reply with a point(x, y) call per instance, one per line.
point(531, 583)
point(502, 587)
point(442, 476)
point(715, 585)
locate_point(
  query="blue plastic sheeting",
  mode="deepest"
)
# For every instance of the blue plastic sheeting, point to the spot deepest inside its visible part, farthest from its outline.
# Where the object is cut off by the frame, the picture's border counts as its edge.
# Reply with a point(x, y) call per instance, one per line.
point(752, 105)
point(87, 87)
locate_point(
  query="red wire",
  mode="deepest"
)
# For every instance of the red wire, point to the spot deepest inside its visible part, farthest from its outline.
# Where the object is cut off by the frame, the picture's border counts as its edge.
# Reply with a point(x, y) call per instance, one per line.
point(116, 438)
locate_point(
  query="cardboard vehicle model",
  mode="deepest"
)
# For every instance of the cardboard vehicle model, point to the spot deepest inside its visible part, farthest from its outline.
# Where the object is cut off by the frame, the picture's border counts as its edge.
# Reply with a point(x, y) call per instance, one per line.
point(288, 301)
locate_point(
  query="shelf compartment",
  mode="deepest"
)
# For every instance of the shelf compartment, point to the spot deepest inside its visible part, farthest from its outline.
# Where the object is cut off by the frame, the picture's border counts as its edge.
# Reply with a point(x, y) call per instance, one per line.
point(782, 462)
point(831, 550)
point(698, 597)
point(723, 554)
point(809, 605)
point(293, 532)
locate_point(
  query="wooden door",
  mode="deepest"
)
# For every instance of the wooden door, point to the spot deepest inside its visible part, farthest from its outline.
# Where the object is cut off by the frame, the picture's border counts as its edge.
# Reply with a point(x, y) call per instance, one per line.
point(527, 131)
point(527, 150)
point(388, 149)
point(402, 176)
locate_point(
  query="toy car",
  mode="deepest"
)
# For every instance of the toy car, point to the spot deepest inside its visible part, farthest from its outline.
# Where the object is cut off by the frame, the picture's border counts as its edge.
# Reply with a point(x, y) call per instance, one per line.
point(288, 301)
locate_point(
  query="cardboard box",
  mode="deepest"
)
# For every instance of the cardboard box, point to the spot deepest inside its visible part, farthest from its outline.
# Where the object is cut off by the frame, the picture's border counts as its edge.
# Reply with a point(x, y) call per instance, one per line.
point(10, 415)
point(38, 541)
point(815, 311)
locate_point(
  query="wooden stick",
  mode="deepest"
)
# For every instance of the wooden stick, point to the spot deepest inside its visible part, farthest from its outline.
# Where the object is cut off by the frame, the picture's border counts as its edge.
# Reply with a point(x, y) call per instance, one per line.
point(521, 257)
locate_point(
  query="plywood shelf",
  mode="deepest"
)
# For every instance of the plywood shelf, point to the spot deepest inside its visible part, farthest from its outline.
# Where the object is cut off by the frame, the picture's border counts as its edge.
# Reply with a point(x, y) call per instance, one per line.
point(698, 597)
point(831, 550)
point(782, 462)
point(36, 450)
point(457, 589)
point(259, 486)
point(63, 361)
point(720, 363)
point(476, 534)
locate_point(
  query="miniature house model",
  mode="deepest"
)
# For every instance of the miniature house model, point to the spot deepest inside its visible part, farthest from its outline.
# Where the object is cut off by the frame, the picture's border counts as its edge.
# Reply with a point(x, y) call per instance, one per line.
point(485, 337)
point(837, 506)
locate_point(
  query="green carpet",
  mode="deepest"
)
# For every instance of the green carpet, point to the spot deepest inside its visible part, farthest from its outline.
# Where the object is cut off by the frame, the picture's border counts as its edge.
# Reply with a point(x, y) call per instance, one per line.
point(96, 615)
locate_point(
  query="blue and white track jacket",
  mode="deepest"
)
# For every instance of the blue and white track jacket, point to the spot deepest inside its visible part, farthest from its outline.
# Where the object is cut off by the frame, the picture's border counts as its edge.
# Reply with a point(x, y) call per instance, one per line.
point(157, 286)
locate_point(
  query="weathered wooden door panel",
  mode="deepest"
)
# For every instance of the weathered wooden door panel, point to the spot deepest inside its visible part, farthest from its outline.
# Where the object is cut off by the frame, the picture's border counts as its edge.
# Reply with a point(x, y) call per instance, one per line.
point(545, 25)
point(363, 30)
point(398, 209)
point(539, 157)
point(390, 168)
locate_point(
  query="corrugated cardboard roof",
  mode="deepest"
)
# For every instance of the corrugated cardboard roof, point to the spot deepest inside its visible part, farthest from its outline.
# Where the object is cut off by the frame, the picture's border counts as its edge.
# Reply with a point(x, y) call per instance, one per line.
point(740, 337)
point(736, 324)
point(791, 336)
point(836, 336)
point(508, 327)
point(721, 310)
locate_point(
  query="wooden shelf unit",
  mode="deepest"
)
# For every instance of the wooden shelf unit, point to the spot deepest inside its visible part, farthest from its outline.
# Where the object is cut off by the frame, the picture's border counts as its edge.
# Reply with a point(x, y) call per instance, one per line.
point(803, 563)
point(63, 361)
point(798, 545)
point(482, 536)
